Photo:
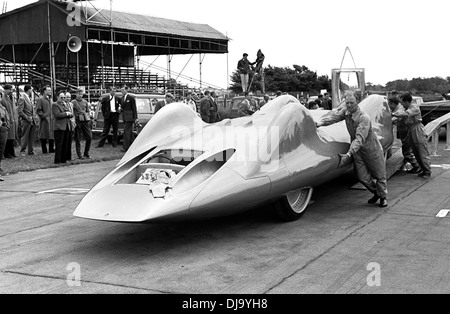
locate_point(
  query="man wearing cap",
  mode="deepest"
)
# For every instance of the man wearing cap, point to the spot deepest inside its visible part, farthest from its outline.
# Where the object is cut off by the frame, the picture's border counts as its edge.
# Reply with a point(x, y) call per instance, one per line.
point(365, 148)
point(244, 70)
point(168, 100)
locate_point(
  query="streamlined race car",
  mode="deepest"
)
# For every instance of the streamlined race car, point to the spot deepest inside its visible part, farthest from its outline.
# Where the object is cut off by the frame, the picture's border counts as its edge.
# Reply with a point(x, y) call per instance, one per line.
point(182, 168)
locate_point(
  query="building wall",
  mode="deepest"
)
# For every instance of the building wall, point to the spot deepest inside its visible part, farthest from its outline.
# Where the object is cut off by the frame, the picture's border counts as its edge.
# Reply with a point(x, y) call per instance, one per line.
point(29, 25)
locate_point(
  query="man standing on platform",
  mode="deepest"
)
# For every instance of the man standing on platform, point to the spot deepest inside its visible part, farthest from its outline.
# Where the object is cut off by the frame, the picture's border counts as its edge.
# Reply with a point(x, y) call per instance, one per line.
point(244, 71)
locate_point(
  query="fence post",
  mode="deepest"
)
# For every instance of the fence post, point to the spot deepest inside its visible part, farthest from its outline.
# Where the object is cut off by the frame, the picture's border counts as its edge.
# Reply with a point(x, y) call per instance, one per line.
point(435, 140)
point(447, 147)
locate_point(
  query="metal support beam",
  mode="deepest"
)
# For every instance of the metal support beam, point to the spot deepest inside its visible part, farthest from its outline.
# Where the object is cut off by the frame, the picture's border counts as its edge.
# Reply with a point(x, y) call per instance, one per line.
point(447, 147)
point(184, 68)
point(88, 65)
point(14, 65)
point(435, 140)
point(169, 68)
point(200, 64)
point(34, 57)
point(51, 51)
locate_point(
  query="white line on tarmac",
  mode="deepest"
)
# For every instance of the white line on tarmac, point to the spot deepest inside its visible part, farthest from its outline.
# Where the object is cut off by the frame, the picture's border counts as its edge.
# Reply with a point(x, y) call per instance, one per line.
point(443, 213)
point(65, 191)
point(444, 166)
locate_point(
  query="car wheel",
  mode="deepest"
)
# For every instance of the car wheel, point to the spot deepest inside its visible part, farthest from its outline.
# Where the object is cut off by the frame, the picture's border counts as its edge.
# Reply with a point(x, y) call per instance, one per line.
point(293, 205)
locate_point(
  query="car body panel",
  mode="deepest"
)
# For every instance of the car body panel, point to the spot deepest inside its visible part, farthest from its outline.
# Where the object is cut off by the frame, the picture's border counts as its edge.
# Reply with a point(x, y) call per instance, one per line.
point(224, 168)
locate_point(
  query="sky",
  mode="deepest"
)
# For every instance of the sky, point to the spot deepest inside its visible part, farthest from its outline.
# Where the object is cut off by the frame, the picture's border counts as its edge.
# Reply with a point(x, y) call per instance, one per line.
point(390, 39)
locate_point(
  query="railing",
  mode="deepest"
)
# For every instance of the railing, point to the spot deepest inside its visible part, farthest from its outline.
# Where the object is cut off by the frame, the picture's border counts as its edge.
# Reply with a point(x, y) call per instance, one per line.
point(432, 130)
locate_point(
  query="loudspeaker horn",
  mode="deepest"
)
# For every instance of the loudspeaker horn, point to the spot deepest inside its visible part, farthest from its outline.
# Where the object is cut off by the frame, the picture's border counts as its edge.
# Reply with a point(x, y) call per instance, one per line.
point(74, 44)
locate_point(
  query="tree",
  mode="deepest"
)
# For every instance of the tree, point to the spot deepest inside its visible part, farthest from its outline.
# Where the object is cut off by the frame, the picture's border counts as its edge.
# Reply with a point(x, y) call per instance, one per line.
point(295, 79)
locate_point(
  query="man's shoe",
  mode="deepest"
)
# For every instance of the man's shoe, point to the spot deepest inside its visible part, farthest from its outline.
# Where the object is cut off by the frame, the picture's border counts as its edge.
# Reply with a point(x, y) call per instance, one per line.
point(374, 199)
point(87, 157)
point(424, 175)
point(383, 202)
point(1, 179)
point(80, 157)
point(22, 154)
point(31, 153)
point(415, 170)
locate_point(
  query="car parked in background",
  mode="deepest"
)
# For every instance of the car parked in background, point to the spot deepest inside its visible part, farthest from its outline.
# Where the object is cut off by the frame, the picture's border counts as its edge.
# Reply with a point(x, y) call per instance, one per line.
point(145, 111)
point(229, 109)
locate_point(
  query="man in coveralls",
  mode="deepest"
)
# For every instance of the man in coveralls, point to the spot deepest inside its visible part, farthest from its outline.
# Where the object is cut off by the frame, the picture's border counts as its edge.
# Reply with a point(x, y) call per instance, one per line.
point(365, 148)
point(402, 134)
point(416, 137)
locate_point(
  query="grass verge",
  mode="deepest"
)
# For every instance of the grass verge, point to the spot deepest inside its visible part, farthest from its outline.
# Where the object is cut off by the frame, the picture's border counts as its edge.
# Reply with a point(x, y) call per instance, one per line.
point(41, 161)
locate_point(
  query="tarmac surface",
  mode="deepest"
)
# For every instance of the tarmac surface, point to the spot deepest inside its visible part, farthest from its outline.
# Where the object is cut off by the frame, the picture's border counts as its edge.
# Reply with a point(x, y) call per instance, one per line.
point(340, 245)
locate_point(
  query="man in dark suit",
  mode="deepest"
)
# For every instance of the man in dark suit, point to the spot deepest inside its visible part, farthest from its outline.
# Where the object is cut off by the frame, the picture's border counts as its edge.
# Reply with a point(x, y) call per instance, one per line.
point(130, 117)
point(110, 110)
point(208, 108)
point(83, 124)
point(8, 102)
point(63, 129)
point(168, 100)
point(4, 129)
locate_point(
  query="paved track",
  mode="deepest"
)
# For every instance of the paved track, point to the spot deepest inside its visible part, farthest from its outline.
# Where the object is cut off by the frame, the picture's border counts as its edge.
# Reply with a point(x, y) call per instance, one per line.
point(327, 251)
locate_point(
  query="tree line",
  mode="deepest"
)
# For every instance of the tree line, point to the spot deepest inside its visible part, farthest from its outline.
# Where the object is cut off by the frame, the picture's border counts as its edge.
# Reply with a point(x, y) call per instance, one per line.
point(301, 79)
point(296, 79)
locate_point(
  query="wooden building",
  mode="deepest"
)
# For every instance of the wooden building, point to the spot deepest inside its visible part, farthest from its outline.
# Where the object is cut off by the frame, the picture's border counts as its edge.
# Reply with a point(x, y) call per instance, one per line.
point(33, 45)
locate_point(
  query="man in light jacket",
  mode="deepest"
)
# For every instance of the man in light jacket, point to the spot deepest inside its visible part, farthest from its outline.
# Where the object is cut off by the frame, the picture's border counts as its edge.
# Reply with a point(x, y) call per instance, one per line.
point(29, 119)
point(44, 111)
